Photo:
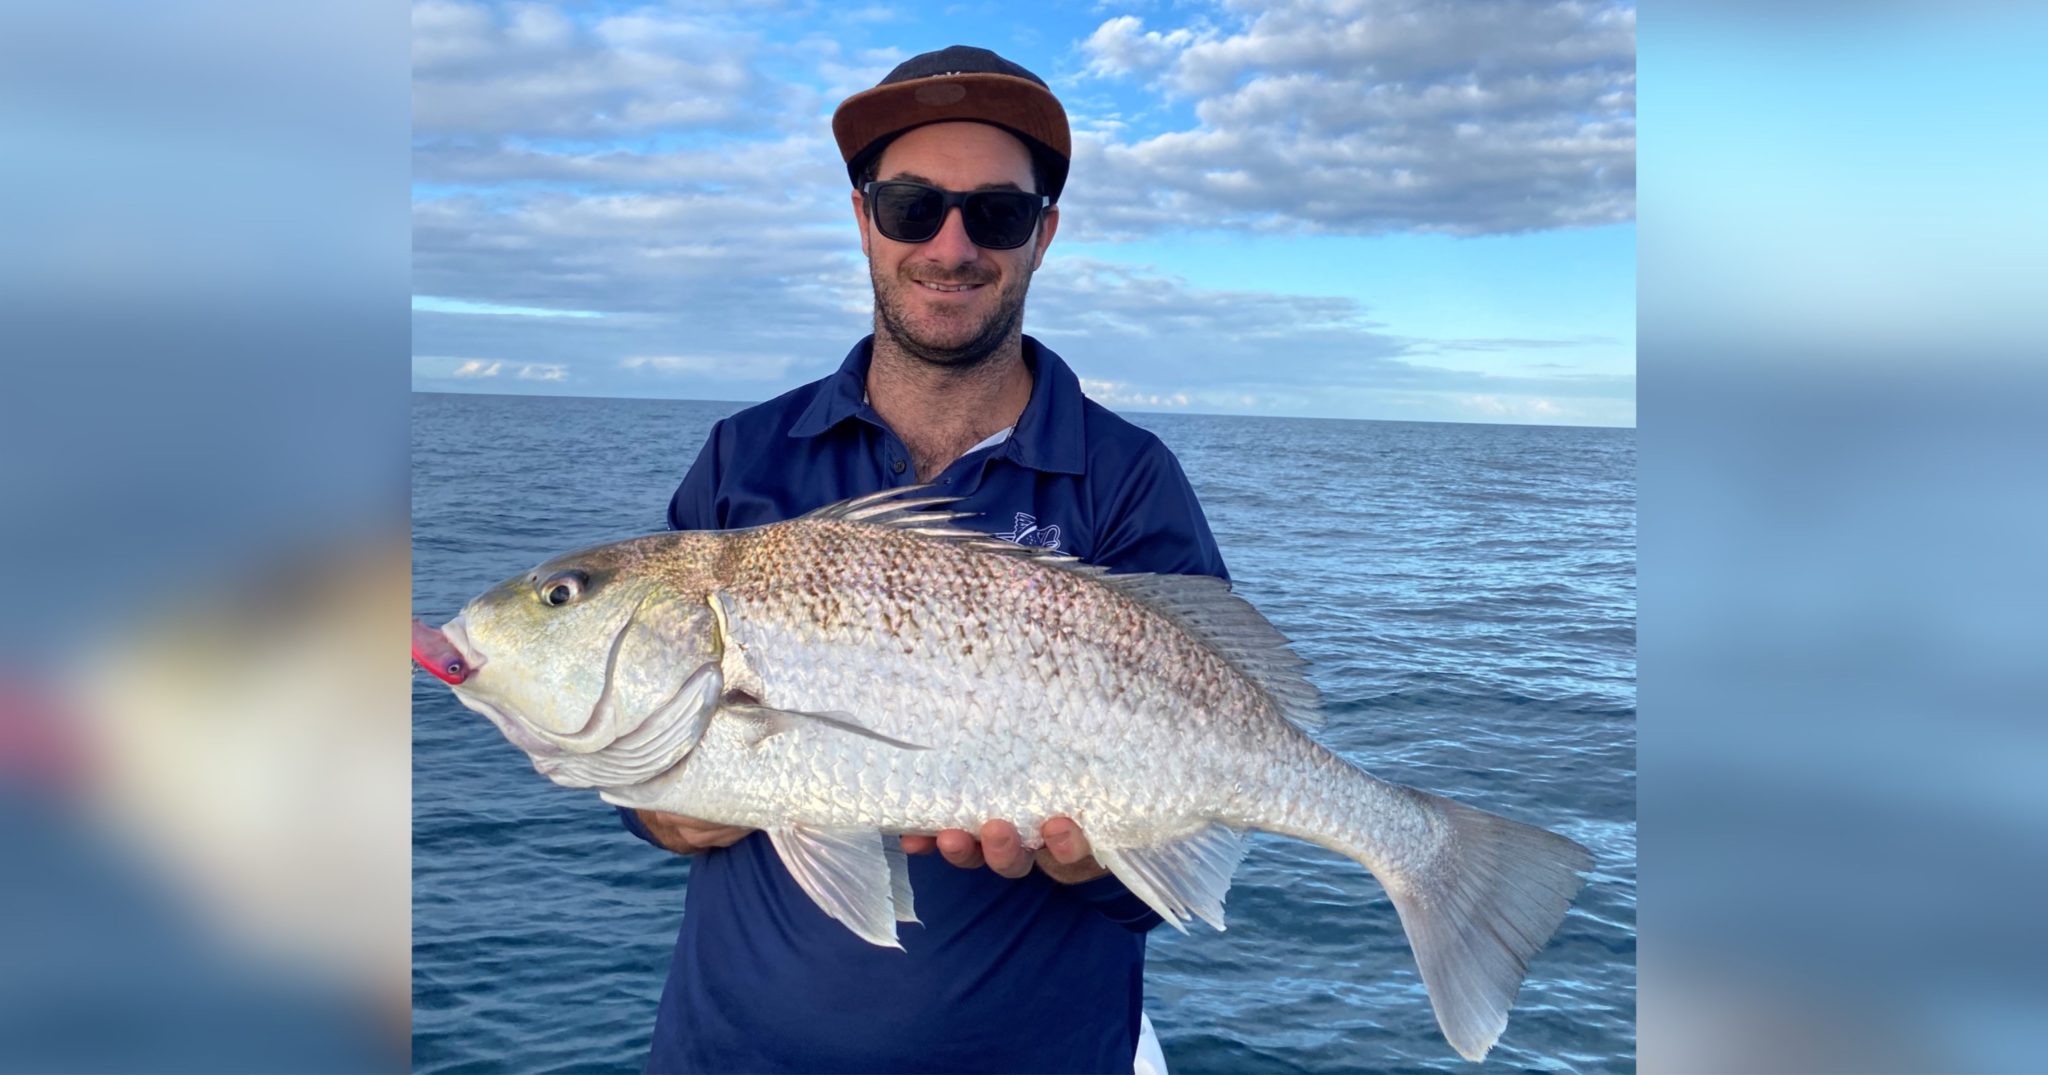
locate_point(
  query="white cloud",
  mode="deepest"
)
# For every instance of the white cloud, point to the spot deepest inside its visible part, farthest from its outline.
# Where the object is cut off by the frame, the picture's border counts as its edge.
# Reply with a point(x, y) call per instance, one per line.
point(870, 13)
point(773, 168)
point(668, 363)
point(704, 213)
point(716, 367)
point(436, 304)
point(1351, 116)
point(442, 368)
point(1118, 394)
point(841, 76)
point(705, 294)
point(529, 69)
point(1121, 326)
point(1122, 46)
point(723, 255)
point(1524, 408)
point(1372, 115)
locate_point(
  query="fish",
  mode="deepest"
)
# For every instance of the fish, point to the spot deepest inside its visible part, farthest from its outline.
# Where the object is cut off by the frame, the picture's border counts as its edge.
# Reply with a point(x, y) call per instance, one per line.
point(876, 668)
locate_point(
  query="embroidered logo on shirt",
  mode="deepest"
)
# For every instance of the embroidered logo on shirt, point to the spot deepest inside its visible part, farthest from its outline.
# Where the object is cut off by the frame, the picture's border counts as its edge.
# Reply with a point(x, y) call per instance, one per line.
point(1028, 532)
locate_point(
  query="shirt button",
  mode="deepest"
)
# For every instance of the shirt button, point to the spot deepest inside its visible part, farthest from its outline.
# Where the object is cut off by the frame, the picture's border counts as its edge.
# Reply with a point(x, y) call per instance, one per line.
point(897, 466)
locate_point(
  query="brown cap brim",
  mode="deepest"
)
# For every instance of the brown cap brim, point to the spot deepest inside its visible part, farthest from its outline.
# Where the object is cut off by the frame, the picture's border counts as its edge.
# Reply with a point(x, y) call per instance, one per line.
point(1019, 105)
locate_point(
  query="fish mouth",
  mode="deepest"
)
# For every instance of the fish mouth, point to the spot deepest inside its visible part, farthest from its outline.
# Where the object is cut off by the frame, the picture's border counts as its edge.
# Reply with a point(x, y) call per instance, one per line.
point(613, 748)
point(445, 651)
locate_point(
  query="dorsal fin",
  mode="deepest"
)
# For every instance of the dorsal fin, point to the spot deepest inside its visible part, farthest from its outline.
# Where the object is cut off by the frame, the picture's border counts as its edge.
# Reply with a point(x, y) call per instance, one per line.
point(908, 509)
point(890, 507)
point(1204, 606)
point(1201, 605)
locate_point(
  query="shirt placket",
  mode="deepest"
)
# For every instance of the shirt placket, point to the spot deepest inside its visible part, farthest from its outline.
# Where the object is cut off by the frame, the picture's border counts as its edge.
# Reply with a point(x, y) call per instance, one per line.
point(895, 459)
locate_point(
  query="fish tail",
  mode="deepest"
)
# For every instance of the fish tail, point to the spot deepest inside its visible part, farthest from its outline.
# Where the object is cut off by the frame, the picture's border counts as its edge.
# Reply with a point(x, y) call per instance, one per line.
point(1478, 895)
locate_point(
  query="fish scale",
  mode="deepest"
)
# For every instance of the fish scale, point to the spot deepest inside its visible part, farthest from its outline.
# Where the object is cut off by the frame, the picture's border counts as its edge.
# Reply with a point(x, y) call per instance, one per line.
point(1041, 718)
point(872, 669)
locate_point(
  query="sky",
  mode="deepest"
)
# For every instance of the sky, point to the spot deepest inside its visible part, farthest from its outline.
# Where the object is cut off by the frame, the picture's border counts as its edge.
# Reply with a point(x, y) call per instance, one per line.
point(1328, 208)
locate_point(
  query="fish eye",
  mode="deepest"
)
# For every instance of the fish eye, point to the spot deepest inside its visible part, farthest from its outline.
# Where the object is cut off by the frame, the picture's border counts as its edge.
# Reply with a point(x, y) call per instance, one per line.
point(563, 587)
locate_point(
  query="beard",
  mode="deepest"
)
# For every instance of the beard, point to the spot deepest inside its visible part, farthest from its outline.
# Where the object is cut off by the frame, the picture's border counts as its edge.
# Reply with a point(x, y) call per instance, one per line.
point(1002, 324)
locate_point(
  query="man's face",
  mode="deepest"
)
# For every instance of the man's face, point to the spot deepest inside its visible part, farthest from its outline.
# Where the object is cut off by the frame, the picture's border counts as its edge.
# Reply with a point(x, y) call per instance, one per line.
point(945, 300)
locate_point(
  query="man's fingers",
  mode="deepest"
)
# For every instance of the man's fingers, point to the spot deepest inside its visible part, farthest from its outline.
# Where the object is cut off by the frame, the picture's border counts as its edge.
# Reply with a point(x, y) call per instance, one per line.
point(687, 835)
point(1002, 850)
point(959, 848)
point(1005, 853)
point(1064, 839)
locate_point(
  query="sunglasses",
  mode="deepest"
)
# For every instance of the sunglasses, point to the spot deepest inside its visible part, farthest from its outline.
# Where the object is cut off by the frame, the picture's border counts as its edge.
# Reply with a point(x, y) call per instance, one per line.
point(913, 213)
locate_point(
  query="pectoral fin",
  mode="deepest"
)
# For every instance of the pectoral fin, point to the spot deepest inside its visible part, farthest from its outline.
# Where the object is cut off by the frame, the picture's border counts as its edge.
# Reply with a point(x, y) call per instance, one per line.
point(1183, 878)
point(770, 721)
point(899, 880)
point(850, 875)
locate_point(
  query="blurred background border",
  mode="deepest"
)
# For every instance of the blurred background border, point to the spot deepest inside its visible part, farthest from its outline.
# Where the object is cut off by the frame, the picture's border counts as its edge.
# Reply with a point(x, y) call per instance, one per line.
point(203, 318)
point(204, 733)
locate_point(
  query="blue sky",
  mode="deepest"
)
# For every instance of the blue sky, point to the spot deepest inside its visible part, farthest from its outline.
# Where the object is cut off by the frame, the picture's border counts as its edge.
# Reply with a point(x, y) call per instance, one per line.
point(1346, 208)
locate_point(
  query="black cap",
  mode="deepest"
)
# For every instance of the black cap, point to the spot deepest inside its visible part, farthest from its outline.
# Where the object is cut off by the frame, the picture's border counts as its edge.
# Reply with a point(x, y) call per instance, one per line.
point(959, 82)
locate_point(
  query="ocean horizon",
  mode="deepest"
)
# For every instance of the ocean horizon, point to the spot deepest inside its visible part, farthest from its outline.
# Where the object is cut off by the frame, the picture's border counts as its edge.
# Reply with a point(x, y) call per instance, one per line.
point(737, 405)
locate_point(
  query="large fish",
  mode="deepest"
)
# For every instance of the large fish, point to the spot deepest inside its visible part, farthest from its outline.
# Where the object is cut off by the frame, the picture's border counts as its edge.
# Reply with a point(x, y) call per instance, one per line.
point(872, 669)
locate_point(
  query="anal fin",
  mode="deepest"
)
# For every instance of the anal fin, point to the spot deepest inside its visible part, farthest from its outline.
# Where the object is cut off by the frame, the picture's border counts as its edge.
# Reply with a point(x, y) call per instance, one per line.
point(1183, 878)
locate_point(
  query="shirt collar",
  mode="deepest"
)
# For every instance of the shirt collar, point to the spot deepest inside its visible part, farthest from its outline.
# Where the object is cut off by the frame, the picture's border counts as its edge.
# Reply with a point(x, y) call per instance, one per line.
point(840, 396)
point(1048, 434)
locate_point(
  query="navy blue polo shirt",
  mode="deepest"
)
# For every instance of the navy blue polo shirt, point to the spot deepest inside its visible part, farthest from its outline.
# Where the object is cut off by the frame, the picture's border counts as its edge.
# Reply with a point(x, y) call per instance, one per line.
point(1002, 975)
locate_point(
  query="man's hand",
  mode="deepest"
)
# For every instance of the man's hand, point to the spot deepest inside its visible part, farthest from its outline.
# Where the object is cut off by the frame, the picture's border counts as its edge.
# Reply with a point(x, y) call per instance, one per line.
point(687, 835)
point(1066, 856)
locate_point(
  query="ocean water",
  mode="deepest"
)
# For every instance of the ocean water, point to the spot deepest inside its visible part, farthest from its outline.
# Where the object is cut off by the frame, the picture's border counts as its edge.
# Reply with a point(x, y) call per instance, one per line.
point(1465, 595)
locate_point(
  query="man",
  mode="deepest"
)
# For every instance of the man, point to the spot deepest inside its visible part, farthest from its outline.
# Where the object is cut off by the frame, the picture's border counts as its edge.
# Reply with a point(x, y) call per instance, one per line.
point(1026, 959)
